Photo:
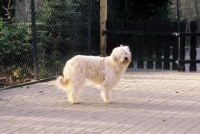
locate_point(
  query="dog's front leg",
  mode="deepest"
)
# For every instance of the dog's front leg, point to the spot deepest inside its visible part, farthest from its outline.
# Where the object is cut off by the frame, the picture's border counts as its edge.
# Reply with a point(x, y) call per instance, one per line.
point(105, 95)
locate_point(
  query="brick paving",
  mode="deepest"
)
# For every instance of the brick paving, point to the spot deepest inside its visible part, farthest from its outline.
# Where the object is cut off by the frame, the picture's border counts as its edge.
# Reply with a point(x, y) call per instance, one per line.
point(146, 102)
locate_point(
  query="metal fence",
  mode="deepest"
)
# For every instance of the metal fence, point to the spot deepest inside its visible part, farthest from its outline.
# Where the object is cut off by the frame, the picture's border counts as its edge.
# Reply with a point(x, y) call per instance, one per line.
point(37, 37)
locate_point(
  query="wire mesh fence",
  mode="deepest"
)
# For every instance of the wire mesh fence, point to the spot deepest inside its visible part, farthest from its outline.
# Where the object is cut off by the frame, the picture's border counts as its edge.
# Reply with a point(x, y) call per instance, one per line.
point(64, 28)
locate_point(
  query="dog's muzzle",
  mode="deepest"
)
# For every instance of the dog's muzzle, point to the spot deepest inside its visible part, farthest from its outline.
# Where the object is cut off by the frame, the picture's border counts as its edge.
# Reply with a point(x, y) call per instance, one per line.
point(125, 58)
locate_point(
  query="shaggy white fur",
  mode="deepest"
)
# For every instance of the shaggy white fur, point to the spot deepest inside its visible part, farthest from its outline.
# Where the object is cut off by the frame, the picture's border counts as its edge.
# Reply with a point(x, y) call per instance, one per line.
point(103, 71)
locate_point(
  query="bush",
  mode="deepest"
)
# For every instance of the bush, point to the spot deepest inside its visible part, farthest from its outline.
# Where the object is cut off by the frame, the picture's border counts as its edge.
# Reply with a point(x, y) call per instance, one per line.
point(15, 49)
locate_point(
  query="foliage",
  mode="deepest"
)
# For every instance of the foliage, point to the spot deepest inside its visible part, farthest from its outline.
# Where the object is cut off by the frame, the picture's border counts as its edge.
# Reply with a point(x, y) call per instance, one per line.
point(56, 34)
point(15, 48)
point(62, 32)
point(64, 25)
point(140, 10)
point(14, 41)
point(7, 9)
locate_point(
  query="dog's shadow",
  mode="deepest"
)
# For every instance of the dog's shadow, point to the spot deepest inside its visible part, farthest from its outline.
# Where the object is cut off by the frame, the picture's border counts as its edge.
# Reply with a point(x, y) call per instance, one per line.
point(113, 105)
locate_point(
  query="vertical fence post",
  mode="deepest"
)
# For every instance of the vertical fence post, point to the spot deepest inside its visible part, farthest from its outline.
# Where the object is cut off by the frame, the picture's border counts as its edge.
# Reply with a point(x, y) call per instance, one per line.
point(103, 18)
point(140, 45)
point(34, 39)
point(166, 42)
point(158, 43)
point(89, 27)
point(109, 38)
point(129, 40)
point(149, 41)
point(175, 46)
point(182, 28)
point(179, 67)
point(193, 44)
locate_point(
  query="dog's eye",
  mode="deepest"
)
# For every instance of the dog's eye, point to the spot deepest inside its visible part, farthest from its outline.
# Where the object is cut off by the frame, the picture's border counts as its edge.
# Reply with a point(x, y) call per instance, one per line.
point(125, 53)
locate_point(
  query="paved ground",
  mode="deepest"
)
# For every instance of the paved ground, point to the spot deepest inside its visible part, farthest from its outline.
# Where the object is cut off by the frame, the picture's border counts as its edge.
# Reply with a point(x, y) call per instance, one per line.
point(146, 102)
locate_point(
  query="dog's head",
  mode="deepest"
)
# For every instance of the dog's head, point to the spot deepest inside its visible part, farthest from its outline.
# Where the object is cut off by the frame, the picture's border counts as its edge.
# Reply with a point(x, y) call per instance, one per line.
point(121, 55)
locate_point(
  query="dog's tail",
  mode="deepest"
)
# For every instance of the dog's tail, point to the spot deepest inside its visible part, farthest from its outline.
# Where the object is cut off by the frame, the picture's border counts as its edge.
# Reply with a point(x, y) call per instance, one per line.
point(62, 83)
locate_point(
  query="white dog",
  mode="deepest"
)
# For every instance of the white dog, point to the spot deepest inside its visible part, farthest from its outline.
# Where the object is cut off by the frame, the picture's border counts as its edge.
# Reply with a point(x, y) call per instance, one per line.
point(103, 71)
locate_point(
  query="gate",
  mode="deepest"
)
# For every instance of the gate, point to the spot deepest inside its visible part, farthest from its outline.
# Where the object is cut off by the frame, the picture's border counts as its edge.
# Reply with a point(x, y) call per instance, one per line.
point(161, 45)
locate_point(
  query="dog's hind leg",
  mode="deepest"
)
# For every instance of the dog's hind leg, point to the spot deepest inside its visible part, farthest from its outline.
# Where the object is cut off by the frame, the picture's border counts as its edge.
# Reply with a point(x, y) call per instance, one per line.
point(72, 96)
point(74, 91)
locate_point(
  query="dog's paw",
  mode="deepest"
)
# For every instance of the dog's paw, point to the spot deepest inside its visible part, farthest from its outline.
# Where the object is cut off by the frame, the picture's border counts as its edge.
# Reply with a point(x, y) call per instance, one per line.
point(77, 102)
point(107, 101)
point(74, 101)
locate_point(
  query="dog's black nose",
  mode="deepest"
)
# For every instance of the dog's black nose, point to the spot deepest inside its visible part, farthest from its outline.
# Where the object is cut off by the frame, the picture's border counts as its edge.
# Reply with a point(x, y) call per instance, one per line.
point(126, 58)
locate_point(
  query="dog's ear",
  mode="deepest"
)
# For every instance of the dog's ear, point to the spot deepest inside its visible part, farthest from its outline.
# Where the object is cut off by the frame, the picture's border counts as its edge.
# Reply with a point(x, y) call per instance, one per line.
point(114, 57)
